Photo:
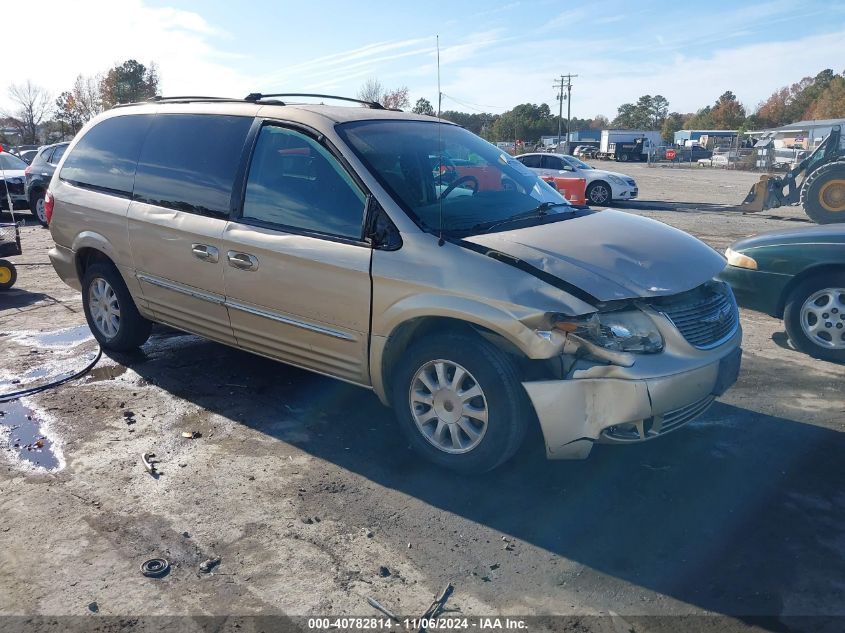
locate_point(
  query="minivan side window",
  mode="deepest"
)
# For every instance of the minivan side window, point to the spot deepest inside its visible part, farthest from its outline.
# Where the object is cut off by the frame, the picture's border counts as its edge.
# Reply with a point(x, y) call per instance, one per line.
point(105, 158)
point(295, 182)
point(189, 162)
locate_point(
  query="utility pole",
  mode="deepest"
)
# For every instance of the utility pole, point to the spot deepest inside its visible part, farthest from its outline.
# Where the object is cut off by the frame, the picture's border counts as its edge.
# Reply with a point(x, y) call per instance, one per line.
point(565, 81)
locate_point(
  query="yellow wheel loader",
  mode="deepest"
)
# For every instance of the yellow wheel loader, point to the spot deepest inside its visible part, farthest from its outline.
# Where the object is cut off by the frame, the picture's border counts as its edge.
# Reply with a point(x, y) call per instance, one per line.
point(821, 190)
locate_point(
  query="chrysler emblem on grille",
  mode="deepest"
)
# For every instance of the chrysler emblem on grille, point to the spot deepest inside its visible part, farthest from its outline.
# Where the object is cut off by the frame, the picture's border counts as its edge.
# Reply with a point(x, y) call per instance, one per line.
point(720, 317)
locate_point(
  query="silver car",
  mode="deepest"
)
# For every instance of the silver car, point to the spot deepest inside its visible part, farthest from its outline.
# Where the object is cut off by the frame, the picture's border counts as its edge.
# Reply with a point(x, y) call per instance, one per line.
point(398, 253)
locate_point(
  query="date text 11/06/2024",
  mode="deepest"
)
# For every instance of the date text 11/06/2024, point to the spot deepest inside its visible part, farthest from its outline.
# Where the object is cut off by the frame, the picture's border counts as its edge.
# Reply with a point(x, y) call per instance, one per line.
point(415, 624)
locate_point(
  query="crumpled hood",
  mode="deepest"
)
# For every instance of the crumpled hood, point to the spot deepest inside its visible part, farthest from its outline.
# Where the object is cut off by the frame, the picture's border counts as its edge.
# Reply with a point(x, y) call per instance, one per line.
point(612, 254)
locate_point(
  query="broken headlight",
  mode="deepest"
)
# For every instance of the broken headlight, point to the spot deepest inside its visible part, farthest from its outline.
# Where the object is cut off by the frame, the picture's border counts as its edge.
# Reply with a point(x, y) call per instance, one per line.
point(623, 331)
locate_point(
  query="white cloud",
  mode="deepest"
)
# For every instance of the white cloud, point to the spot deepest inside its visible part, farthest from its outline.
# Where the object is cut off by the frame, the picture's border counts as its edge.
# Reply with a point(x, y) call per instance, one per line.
point(689, 81)
point(89, 36)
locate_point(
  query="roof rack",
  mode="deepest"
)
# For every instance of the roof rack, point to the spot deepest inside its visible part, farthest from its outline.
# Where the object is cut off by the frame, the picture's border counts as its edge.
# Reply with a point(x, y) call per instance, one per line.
point(253, 97)
point(180, 99)
point(257, 96)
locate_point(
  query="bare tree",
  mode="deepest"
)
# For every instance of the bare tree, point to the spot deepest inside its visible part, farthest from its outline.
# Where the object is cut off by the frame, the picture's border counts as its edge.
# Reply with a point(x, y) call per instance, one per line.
point(372, 91)
point(86, 94)
point(32, 105)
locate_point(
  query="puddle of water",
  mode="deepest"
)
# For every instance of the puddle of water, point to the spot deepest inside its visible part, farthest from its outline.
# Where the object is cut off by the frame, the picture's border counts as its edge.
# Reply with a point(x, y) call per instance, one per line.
point(68, 337)
point(106, 372)
point(26, 438)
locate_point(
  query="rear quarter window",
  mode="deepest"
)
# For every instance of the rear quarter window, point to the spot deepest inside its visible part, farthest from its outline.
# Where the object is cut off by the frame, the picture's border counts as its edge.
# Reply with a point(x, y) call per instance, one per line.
point(189, 162)
point(106, 157)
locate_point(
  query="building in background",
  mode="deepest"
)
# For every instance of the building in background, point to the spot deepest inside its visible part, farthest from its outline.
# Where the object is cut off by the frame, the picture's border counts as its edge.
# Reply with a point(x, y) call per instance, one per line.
point(799, 135)
point(705, 138)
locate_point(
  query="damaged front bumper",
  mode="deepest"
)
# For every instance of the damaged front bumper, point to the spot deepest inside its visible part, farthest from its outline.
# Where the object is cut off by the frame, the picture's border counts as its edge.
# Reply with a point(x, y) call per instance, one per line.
point(628, 404)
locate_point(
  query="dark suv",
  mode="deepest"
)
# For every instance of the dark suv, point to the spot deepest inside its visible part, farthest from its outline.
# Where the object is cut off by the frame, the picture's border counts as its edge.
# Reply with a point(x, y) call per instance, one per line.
point(38, 176)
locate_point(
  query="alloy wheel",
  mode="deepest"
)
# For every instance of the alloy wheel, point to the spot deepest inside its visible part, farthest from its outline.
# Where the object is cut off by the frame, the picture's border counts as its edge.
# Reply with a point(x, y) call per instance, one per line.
point(40, 211)
point(823, 318)
point(104, 307)
point(448, 406)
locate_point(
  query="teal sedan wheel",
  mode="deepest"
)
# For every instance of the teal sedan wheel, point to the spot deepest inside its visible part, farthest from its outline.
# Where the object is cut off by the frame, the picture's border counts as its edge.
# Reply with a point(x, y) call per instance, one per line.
point(815, 317)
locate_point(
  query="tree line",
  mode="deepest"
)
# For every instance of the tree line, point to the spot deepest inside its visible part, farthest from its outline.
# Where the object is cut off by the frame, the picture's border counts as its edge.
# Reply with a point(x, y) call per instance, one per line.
point(819, 97)
point(37, 117)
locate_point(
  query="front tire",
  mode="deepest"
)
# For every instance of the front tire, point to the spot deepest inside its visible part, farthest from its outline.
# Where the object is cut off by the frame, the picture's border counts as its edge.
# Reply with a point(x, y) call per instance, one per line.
point(460, 403)
point(599, 193)
point(36, 207)
point(111, 313)
point(814, 317)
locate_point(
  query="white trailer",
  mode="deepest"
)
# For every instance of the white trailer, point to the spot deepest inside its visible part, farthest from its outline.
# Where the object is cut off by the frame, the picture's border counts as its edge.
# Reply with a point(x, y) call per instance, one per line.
point(610, 137)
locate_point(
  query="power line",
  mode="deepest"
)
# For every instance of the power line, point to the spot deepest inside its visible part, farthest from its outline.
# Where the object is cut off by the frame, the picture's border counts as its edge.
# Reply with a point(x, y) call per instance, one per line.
point(565, 81)
point(473, 106)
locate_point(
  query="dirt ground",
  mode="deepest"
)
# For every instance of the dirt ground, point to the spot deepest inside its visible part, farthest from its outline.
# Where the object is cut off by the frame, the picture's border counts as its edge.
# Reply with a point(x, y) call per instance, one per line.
point(305, 491)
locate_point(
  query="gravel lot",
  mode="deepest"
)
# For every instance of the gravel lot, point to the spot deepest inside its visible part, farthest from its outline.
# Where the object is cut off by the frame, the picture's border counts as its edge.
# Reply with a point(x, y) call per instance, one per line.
point(304, 489)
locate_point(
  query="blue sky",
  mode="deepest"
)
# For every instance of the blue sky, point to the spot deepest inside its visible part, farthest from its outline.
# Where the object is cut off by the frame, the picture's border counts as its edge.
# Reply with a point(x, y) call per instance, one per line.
point(493, 54)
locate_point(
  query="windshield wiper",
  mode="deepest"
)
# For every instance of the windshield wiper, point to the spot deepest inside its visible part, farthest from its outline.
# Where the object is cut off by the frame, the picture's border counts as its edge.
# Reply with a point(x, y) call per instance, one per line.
point(539, 211)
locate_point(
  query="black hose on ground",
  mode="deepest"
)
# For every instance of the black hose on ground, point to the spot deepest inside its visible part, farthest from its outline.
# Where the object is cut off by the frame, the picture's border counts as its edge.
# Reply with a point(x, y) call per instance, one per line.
point(6, 397)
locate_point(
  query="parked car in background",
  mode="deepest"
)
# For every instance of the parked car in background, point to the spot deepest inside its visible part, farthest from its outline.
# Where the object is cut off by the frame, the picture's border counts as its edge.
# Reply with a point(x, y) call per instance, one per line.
point(13, 172)
point(323, 237)
point(692, 153)
point(38, 175)
point(27, 155)
point(602, 186)
point(797, 275)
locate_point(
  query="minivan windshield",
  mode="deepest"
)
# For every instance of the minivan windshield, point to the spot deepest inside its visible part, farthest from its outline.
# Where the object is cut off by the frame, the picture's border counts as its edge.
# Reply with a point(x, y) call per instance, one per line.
point(429, 165)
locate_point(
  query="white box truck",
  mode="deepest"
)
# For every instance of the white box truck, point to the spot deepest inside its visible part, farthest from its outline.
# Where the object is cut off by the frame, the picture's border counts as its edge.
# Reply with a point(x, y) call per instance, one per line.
point(626, 145)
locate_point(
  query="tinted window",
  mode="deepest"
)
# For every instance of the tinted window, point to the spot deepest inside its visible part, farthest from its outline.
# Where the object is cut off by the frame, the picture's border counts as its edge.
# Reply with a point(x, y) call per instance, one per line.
point(105, 158)
point(57, 154)
point(552, 162)
point(295, 182)
point(531, 161)
point(44, 155)
point(189, 161)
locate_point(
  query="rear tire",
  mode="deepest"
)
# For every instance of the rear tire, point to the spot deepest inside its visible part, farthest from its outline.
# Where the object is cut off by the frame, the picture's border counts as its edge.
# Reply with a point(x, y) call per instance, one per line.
point(823, 195)
point(502, 402)
point(111, 313)
point(623, 158)
point(36, 207)
point(8, 274)
point(826, 312)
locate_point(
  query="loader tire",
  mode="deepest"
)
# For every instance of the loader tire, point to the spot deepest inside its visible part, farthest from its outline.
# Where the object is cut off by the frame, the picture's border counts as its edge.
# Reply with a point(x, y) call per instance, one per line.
point(823, 194)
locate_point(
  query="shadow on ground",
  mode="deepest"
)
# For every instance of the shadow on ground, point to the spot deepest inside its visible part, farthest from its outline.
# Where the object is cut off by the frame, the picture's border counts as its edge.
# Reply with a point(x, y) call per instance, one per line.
point(16, 298)
point(739, 513)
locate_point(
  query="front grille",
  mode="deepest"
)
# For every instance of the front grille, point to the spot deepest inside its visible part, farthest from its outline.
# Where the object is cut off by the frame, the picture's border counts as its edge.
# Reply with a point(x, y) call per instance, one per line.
point(631, 182)
point(705, 316)
point(657, 425)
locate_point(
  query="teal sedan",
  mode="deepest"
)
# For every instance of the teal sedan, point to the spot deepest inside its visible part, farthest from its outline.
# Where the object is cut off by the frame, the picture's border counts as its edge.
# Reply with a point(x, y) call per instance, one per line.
point(797, 275)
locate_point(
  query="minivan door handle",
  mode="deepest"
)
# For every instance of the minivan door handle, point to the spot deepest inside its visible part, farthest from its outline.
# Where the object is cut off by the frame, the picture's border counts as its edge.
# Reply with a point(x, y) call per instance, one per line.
point(242, 261)
point(205, 252)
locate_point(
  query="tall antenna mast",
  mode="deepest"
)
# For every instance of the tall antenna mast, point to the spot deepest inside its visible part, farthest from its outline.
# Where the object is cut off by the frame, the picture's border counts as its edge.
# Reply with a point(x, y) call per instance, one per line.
point(440, 241)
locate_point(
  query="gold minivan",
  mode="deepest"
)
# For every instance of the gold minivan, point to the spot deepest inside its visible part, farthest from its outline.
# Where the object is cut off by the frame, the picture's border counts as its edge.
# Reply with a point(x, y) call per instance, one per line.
point(396, 252)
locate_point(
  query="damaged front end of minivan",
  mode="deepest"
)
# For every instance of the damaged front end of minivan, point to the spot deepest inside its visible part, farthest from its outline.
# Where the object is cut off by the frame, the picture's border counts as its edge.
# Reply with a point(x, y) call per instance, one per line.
point(661, 345)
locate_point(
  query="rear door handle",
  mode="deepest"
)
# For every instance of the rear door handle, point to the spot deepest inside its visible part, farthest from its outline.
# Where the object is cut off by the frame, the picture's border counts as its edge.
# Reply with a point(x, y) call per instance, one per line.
point(206, 253)
point(242, 261)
